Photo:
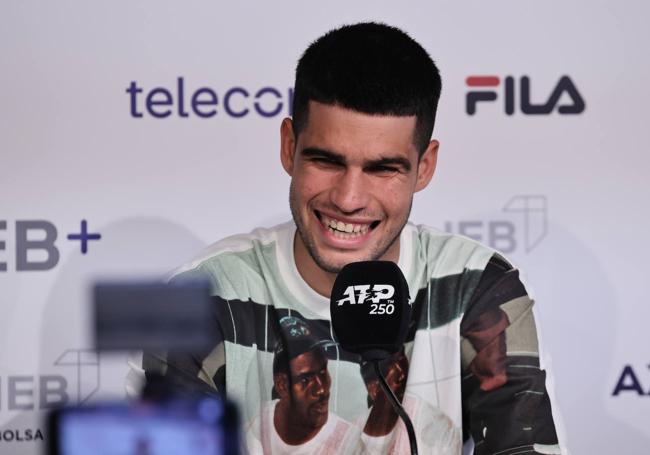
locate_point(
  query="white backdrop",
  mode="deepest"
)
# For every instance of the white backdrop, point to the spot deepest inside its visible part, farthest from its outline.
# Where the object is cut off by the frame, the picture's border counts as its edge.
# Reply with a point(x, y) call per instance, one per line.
point(563, 195)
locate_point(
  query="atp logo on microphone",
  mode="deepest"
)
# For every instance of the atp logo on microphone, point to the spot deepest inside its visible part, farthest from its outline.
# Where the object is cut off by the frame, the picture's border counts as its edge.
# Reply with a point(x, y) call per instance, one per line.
point(363, 293)
point(369, 308)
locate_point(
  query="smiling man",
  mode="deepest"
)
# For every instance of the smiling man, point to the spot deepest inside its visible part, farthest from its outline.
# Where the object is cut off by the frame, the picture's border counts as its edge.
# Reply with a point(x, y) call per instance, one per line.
point(359, 146)
point(353, 180)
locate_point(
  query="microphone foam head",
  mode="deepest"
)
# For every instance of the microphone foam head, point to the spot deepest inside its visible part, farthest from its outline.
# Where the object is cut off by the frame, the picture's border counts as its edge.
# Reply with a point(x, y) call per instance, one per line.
point(370, 308)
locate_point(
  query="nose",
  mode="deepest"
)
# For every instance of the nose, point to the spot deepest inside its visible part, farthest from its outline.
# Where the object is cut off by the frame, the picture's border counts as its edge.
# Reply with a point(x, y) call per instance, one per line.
point(319, 386)
point(350, 191)
point(396, 374)
point(401, 375)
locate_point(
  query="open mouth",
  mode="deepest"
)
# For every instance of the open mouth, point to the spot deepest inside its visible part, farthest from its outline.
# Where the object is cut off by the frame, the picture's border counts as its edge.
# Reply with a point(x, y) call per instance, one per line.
point(343, 230)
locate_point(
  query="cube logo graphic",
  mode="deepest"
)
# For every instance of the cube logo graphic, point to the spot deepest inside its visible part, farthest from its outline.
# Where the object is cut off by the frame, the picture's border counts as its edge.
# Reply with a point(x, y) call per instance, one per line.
point(84, 365)
point(525, 230)
point(75, 382)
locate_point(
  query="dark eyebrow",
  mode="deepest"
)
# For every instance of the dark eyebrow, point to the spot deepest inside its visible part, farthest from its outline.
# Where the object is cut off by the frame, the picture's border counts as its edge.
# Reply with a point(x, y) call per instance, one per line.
point(314, 152)
point(390, 161)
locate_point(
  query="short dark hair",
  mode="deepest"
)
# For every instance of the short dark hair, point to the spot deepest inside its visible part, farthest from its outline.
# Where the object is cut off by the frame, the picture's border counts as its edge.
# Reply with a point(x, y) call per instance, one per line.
point(371, 68)
point(281, 363)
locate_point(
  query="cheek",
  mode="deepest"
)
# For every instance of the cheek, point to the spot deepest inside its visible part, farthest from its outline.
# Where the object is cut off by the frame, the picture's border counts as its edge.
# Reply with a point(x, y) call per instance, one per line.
point(395, 197)
point(311, 184)
point(373, 389)
point(327, 382)
point(298, 393)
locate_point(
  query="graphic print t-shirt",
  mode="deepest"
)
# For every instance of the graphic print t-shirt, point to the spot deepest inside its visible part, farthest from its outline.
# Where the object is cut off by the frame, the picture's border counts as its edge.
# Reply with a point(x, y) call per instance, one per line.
point(470, 366)
point(335, 436)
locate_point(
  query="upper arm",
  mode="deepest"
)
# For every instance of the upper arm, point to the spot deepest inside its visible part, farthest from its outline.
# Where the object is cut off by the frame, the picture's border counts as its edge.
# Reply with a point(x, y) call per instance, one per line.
point(505, 402)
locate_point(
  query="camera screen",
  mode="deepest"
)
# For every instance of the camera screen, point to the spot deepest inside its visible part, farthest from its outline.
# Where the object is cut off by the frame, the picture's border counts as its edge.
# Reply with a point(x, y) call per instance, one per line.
point(142, 430)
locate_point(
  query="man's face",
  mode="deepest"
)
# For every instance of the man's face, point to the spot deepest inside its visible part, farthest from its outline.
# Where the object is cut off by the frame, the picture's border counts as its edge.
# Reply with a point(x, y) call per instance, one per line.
point(310, 389)
point(396, 376)
point(353, 179)
point(487, 335)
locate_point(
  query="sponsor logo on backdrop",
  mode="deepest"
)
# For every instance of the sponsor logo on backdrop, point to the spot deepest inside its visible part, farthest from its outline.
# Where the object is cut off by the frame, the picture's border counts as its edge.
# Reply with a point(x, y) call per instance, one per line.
point(74, 381)
point(516, 95)
point(633, 381)
point(181, 99)
point(522, 228)
point(35, 244)
point(22, 435)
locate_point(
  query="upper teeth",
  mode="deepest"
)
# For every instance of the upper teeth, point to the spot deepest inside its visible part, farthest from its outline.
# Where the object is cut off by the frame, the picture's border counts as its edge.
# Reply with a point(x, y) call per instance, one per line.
point(344, 227)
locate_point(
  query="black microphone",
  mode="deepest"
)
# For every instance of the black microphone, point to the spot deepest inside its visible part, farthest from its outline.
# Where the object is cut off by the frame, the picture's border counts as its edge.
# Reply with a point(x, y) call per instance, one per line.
point(371, 311)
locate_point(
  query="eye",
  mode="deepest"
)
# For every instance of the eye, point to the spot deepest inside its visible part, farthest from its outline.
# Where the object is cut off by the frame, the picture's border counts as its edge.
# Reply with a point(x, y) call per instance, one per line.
point(324, 161)
point(382, 169)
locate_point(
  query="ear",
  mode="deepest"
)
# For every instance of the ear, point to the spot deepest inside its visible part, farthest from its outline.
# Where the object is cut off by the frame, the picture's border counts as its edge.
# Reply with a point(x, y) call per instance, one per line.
point(281, 384)
point(287, 145)
point(427, 165)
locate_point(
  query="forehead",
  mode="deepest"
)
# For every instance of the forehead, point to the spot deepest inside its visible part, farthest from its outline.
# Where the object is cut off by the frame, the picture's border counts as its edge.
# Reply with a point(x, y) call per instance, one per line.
point(308, 362)
point(355, 134)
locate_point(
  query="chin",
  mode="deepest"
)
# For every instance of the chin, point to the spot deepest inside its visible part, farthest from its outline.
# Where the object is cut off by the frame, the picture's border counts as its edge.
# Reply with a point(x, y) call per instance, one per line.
point(333, 263)
point(321, 420)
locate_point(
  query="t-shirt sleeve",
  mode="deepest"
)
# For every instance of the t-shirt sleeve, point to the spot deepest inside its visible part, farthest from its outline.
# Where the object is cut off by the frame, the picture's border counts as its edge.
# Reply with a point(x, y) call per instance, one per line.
point(506, 407)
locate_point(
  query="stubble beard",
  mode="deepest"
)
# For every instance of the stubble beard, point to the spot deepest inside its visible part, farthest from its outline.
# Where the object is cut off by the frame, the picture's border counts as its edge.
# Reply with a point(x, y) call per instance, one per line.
point(305, 421)
point(310, 245)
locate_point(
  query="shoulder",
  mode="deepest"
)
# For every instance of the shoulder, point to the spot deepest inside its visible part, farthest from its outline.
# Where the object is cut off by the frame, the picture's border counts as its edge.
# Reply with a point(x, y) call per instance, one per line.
point(449, 268)
point(236, 258)
point(441, 245)
point(453, 251)
point(336, 420)
point(235, 248)
point(260, 424)
point(338, 435)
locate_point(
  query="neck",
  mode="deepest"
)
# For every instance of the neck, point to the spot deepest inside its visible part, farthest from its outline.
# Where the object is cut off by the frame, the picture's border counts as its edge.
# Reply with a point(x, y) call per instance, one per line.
point(321, 280)
point(290, 431)
point(382, 418)
point(318, 279)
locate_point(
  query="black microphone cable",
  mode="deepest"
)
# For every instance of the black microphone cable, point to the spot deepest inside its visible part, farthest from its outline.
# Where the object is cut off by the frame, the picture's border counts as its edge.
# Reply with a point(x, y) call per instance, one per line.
point(371, 313)
point(397, 406)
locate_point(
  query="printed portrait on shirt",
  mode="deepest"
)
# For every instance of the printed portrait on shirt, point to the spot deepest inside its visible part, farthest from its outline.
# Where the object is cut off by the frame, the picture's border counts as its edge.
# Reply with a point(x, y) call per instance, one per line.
point(301, 382)
point(382, 418)
point(487, 334)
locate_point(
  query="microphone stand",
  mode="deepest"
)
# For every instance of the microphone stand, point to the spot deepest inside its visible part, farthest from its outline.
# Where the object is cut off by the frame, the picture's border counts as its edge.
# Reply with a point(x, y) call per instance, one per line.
point(398, 408)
